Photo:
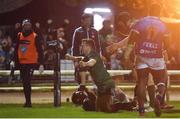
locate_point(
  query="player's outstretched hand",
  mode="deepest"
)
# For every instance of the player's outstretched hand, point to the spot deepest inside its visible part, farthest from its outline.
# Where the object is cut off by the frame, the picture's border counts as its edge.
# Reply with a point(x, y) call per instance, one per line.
point(82, 64)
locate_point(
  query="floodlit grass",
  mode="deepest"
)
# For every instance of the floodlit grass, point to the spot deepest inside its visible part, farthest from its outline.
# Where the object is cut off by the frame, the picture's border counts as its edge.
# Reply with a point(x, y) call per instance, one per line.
point(68, 110)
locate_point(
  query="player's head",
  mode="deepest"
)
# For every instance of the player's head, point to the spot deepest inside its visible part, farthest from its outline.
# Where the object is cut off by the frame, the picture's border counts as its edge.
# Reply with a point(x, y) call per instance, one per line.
point(78, 97)
point(87, 46)
point(155, 10)
point(26, 25)
point(86, 20)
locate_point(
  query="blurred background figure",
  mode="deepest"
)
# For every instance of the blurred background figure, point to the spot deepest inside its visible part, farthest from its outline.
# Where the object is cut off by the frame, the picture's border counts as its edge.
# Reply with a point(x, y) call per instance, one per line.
point(8, 49)
point(63, 42)
point(106, 37)
point(2, 59)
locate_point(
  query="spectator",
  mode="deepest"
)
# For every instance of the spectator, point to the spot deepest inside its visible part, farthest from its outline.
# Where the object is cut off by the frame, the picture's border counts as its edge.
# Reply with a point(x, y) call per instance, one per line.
point(2, 60)
point(37, 29)
point(84, 32)
point(62, 41)
point(8, 50)
point(49, 54)
point(50, 26)
point(121, 32)
point(17, 29)
point(68, 32)
point(105, 38)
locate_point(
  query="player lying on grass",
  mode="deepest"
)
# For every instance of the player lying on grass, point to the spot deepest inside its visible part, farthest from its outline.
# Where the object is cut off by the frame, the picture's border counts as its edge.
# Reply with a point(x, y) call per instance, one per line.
point(87, 99)
point(105, 85)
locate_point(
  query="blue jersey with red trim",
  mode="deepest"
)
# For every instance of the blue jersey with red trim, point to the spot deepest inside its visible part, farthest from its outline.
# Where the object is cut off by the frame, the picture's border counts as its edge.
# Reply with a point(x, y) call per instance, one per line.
point(152, 32)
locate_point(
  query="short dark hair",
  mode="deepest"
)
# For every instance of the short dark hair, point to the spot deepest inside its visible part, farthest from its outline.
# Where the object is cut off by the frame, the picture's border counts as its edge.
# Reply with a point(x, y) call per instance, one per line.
point(86, 15)
point(124, 16)
point(89, 42)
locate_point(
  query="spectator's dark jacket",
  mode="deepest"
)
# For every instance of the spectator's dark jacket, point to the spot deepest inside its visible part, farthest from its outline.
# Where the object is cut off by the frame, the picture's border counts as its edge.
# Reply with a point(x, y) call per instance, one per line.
point(82, 33)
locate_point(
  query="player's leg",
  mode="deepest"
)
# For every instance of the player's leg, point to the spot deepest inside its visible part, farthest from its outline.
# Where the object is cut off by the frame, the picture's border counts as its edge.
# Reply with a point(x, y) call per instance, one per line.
point(142, 75)
point(151, 89)
point(98, 103)
point(134, 72)
point(123, 106)
point(83, 77)
point(80, 77)
point(104, 101)
point(26, 79)
point(160, 81)
point(163, 103)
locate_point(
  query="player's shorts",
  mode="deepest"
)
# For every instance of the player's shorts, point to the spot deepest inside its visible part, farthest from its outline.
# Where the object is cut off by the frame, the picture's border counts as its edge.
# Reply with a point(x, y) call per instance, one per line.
point(152, 63)
point(155, 66)
point(159, 76)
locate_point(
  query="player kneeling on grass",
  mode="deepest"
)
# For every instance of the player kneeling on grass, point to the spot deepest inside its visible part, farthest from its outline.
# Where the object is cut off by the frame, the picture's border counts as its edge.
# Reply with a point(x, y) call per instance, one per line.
point(102, 79)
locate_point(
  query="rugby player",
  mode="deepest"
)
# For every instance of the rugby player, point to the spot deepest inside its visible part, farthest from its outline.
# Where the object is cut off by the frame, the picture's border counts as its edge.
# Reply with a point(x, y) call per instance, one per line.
point(150, 37)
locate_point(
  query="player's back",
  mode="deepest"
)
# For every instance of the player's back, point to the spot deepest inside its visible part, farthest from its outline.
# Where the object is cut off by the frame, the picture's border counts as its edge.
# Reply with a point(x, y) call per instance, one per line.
point(151, 28)
point(152, 33)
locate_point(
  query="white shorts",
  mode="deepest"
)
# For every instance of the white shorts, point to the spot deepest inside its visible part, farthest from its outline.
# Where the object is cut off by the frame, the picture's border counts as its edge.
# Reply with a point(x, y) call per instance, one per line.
point(152, 63)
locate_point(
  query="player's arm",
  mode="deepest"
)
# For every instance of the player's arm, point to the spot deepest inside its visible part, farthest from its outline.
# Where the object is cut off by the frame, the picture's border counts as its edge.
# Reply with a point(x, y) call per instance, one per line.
point(112, 48)
point(89, 63)
point(133, 36)
point(73, 58)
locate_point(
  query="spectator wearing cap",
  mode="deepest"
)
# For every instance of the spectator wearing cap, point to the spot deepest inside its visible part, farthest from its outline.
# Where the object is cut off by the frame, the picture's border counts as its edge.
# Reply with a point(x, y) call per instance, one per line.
point(28, 55)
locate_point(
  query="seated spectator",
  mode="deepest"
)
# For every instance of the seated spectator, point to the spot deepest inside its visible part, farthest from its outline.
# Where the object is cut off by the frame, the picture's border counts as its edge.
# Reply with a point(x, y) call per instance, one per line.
point(8, 50)
point(38, 30)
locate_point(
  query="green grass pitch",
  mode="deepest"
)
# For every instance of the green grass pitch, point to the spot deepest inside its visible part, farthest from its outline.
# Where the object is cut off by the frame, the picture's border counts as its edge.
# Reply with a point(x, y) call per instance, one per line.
point(68, 110)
